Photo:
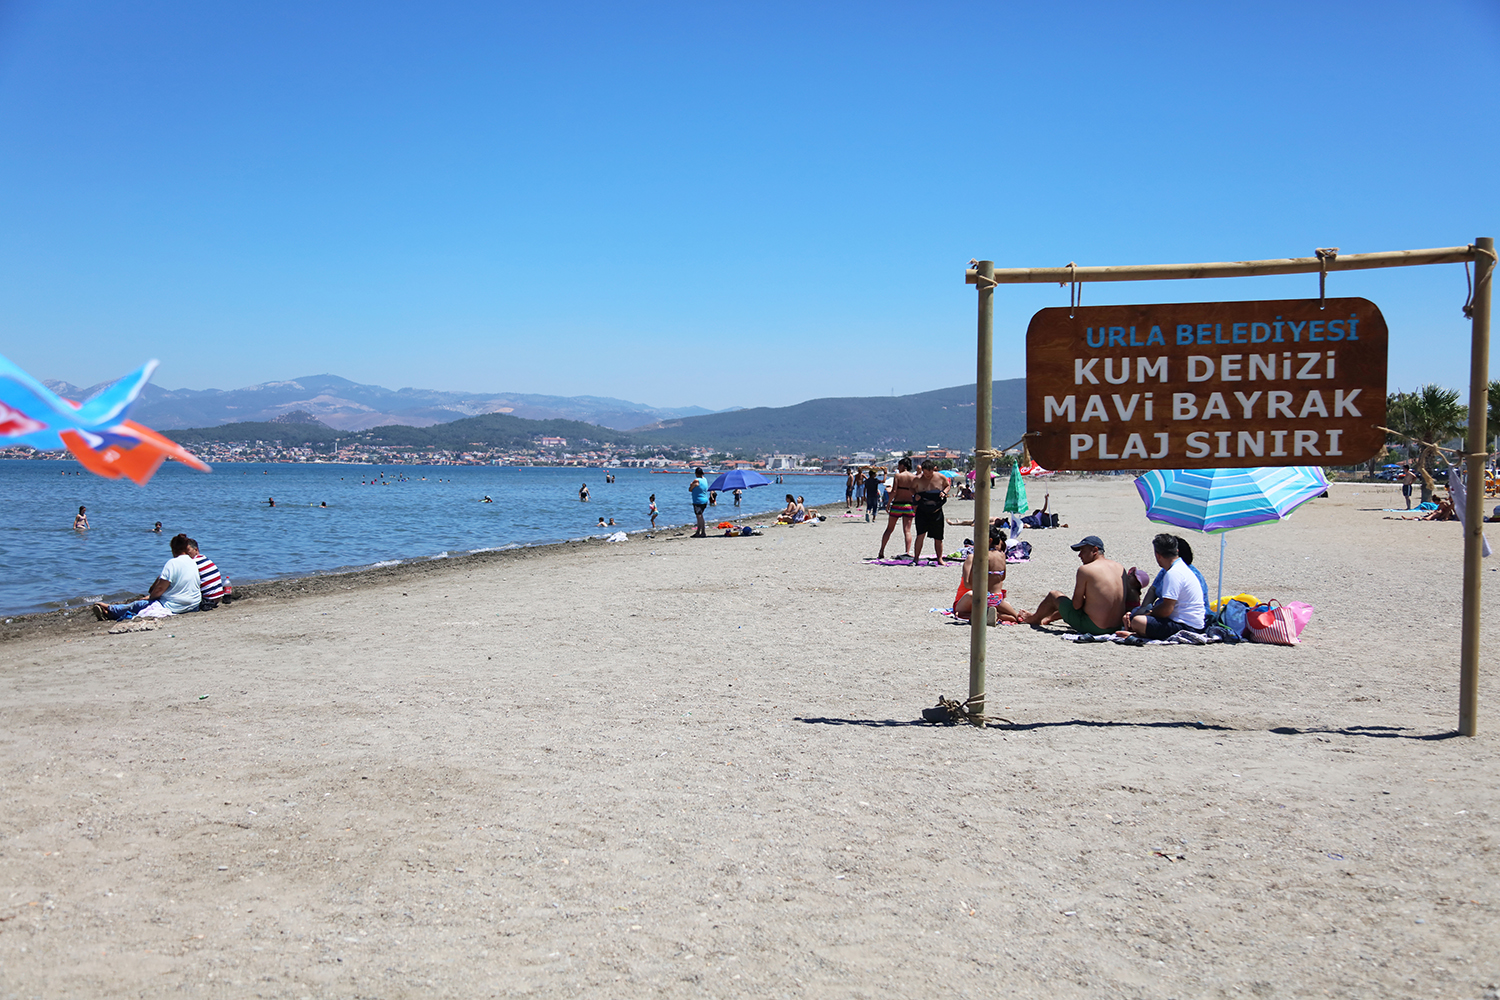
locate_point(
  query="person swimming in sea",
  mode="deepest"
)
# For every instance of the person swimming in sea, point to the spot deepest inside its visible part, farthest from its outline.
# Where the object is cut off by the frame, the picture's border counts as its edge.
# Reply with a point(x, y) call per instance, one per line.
point(486, 499)
point(270, 501)
point(157, 529)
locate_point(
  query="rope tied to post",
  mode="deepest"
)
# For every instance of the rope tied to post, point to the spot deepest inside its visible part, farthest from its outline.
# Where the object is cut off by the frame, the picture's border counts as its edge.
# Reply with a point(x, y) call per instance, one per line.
point(991, 282)
point(1469, 280)
point(998, 454)
point(950, 711)
point(1435, 447)
point(1325, 254)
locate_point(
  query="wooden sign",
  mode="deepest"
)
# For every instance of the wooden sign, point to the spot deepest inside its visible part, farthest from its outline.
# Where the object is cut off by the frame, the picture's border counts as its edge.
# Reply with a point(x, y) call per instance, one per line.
point(1204, 385)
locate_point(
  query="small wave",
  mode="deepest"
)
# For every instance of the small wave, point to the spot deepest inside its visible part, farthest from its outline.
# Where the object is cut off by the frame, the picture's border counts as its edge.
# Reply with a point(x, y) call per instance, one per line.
point(385, 563)
point(440, 555)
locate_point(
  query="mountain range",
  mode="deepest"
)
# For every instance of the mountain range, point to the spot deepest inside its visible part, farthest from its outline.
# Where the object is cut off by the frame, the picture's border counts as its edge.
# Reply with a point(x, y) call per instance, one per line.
point(350, 406)
point(843, 425)
point(942, 418)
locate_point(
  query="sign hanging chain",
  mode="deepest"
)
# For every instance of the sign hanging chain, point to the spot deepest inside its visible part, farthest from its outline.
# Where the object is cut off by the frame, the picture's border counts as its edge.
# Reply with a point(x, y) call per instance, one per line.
point(1325, 254)
point(1469, 280)
point(1075, 288)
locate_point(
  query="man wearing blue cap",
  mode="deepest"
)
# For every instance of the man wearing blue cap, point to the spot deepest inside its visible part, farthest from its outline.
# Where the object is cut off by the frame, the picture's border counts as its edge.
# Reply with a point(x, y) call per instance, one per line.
point(1099, 600)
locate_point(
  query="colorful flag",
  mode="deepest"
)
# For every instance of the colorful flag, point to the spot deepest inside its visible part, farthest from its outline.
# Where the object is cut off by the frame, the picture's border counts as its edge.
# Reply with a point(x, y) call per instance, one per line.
point(99, 432)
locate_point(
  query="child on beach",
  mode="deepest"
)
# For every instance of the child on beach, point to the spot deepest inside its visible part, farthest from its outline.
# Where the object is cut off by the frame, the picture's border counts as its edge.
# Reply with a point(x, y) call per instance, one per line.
point(653, 512)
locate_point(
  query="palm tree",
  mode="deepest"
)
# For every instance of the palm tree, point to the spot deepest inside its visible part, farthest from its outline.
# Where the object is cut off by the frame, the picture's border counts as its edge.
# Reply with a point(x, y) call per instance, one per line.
point(1492, 418)
point(1435, 417)
point(1398, 410)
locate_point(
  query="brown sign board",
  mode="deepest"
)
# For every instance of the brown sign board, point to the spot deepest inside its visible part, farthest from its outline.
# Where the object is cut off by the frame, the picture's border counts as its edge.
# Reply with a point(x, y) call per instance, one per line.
point(1204, 385)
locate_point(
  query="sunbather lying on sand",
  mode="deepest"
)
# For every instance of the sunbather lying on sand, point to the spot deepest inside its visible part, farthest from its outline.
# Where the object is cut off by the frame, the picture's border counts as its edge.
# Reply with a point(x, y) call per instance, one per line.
point(1444, 512)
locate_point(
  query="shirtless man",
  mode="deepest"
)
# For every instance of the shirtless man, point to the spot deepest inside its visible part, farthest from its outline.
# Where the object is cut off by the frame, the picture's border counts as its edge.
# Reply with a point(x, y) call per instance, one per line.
point(1099, 601)
point(931, 492)
point(900, 506)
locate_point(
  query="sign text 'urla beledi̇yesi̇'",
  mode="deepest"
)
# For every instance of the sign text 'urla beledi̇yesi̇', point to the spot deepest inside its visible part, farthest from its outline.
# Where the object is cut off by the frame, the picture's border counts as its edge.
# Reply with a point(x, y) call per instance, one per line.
point(1203, 385)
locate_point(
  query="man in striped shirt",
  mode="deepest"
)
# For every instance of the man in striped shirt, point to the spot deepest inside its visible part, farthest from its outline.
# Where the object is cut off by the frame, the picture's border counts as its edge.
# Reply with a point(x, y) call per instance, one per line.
point(210, 582)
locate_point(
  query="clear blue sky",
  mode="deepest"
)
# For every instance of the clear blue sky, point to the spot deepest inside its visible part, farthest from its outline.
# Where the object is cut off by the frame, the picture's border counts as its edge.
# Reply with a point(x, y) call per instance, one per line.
point(704, 203)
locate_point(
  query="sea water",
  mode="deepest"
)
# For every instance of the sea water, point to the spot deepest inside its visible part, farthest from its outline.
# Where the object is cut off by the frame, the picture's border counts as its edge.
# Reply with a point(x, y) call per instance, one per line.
point(376, 514)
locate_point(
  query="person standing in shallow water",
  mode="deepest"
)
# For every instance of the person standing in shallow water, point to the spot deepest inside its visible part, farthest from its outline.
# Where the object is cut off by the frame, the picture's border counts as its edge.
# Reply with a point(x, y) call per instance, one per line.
point(81, 522)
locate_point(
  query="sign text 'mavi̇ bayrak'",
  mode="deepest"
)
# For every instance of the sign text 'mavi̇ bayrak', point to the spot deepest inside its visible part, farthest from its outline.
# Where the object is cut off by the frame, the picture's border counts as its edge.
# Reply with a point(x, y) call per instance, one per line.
point(1206, 385)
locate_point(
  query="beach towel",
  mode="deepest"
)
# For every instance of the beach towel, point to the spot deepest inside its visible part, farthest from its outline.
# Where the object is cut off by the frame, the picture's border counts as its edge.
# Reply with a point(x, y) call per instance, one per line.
point(907, 562)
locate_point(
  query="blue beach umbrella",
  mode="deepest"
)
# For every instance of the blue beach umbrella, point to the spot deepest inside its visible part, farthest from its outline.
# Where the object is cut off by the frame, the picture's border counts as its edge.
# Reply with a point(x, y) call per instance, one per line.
point(738, 479)
point(1220, 500)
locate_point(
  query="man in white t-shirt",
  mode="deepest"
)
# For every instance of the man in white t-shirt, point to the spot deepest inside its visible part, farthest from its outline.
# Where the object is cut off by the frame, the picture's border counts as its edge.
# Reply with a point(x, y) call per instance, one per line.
point(1180, 601)
point(175, 590)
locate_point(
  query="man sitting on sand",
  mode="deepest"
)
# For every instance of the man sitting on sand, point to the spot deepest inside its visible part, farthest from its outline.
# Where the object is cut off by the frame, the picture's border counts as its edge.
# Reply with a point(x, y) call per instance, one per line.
point(176, 589)
point(1181, 602)
point(212, 586)
point(1099, 599)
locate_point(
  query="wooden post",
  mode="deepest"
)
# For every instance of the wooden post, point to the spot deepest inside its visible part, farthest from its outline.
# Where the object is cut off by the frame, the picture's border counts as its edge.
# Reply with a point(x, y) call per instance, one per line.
point(1479, 374)
point(979, 577)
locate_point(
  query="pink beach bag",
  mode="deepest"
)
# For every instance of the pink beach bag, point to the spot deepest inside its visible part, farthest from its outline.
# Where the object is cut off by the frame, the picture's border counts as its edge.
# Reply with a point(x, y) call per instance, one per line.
point(1286, 625)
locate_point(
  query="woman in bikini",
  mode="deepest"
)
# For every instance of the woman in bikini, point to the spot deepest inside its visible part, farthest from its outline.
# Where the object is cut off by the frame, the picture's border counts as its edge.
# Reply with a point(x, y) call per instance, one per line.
point(900, 507)
point(999, 609)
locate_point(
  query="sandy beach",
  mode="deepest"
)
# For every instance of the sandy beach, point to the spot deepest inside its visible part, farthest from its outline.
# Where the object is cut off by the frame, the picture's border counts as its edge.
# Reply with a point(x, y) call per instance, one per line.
point(685, 768)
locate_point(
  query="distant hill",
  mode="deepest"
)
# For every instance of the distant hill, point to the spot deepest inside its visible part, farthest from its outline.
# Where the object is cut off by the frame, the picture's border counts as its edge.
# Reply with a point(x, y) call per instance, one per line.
point(834, 426)
point(497, 430)
point(843, 425)
point(350, 406)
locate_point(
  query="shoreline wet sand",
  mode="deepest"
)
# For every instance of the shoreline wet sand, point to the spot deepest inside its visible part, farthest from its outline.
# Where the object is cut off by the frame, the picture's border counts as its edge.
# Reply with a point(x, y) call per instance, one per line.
point(691, 767)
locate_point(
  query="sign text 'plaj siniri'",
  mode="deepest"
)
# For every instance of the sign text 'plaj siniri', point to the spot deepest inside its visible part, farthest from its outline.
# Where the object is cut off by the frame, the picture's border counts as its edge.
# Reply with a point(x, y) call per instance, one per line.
point(1206, 385)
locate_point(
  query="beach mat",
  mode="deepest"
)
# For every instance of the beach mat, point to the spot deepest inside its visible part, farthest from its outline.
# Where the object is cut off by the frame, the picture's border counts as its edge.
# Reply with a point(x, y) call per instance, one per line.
point(908, 562)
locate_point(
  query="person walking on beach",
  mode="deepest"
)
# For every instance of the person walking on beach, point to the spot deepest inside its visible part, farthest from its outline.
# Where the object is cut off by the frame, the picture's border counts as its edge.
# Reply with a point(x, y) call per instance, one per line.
point(653, 511)
point(1406, 478)
point(849, 492)
point(698, 490)
point(900, 506)
point(872, 497)
point(81, 522)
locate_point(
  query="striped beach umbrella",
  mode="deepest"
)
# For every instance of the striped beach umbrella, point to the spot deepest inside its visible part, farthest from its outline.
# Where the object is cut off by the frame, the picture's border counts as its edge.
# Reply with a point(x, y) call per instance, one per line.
point(1215, 500)
point(1221, 500)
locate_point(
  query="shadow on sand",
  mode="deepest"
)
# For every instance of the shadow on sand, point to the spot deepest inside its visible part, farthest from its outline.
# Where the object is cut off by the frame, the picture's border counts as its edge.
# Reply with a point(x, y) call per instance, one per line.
point(1372, 732)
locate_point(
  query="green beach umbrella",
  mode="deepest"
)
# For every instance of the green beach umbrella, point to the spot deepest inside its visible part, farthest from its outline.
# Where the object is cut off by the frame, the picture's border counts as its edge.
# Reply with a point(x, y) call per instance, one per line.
point(1015, 493)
